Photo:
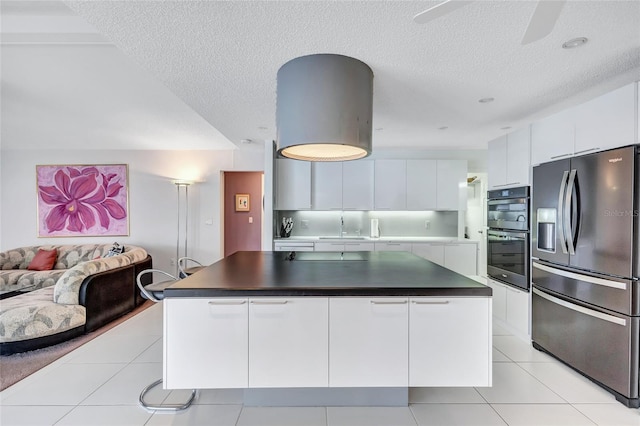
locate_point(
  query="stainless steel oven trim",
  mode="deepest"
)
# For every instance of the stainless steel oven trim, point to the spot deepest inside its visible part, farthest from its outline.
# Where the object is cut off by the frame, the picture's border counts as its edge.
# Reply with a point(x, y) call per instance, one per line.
point(582, 310)
point(586, 278)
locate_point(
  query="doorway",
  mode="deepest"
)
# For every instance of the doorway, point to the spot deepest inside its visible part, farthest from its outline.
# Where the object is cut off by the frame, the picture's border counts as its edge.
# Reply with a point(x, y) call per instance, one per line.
point(243, 211)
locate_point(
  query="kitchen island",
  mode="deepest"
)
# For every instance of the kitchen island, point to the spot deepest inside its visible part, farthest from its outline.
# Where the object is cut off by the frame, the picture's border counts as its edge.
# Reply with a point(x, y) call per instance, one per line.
point(326, 320)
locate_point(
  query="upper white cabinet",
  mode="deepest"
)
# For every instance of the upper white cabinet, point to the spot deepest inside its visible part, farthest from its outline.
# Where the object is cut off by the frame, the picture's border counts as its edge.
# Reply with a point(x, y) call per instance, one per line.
point(508, 161)
point(422, 184)
point(293, 185)
point(390, 185)
point(605, 122)
point(357, 185)
point(451, 184)
point(326, 186)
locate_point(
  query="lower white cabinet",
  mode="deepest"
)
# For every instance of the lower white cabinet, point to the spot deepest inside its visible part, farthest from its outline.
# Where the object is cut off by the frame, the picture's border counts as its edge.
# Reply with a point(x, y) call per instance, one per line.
point(288, 342)
point(326, 341)
point(368, 342)
point(461, 258)
point(392, 246)
point(195, 330)
point(429, 251)
point(512, 307)
point(355, 246)
point(454, 334)
point(326, 246)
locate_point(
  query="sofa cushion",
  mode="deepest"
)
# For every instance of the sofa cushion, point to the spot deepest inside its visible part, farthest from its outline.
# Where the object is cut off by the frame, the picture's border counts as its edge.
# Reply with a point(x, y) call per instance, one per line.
point(43, 260)
point(34, 314)
point(24, 280)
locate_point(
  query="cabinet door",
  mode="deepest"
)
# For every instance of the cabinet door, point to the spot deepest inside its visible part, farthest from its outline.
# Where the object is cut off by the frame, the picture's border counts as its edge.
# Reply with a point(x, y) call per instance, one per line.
point(359, 246)
point(497, 162)
point(429, 251)
point(452, 185)
point(357, 185)
point(205, 343)
point(607, 121)
point(422, 186)
point(517, 313)
point(390, 184)
point(553, 137)
point(326, 183)
point(518, 158)
point(461, 258)
point(288, 342)
point(450, 341)
point(499, 300)
point(293, 184)
point(392, 246)
point(326, 246)
point(368, 342)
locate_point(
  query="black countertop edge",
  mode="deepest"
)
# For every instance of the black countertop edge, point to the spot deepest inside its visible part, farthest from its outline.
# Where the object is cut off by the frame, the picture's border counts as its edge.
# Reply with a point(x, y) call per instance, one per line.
point(332, 292)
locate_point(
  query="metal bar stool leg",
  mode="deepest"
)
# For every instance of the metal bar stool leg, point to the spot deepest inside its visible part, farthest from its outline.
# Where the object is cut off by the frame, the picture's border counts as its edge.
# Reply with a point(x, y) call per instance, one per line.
point(164, 407)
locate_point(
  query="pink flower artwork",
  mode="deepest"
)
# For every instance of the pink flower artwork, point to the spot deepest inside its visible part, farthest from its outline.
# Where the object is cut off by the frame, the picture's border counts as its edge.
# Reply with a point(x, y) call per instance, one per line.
point(79, 200)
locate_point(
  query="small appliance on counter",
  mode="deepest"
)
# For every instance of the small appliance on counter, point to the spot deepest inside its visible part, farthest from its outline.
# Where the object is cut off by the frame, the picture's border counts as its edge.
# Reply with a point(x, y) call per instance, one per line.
point(286, 227)
point(375, 229)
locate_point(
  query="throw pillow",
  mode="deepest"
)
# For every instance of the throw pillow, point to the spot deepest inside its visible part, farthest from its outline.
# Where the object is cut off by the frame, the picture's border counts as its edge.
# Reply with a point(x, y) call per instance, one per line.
point(44, 260)
point(115, 250)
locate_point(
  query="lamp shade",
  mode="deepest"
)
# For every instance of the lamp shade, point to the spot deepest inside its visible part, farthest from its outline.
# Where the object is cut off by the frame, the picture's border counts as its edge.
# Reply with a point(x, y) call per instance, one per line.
point(324, 108)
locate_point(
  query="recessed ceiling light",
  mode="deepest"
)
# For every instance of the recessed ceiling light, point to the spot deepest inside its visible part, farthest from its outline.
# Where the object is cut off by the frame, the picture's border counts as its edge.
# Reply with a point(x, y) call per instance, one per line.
point(574, 42)
point(443, 128)
point(379, 129)
point(246, 141)
point(505, 128)
point(263, 128)
point(486, 100)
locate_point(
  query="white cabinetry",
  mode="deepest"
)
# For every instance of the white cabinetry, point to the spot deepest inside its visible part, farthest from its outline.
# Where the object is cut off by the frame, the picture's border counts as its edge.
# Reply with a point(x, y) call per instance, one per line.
point(289, 245)
point(357, 185)
point(459, 257)
point(512, 307)
point(368, 342)
point(327, 246)
point(357, 246)
point(454, 335)
point(422, 184)
point(293, 185)
point(326, 186)
point(195, 330)
point(392, 246)
point(390, 185)
point(451, 184)
point(608, 121)
point(508, 161)
point(288, 342)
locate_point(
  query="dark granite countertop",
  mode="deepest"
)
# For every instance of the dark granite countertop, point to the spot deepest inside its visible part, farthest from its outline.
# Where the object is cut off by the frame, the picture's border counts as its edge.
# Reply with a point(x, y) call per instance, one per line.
point(259, 274)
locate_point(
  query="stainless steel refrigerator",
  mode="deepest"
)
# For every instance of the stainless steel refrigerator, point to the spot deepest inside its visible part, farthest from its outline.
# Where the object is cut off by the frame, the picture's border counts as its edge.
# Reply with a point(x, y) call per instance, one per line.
point(585, 256)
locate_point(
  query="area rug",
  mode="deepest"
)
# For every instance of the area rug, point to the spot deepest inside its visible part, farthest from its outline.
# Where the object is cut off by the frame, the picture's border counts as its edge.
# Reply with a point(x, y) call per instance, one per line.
point(16, 367)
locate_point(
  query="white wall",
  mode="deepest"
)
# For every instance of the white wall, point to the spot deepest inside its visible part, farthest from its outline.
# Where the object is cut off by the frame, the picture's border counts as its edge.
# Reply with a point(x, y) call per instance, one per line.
point(152, 197)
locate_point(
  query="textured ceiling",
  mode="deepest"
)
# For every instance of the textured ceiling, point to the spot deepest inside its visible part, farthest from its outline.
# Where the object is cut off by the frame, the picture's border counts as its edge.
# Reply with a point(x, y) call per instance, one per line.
point(221, 59)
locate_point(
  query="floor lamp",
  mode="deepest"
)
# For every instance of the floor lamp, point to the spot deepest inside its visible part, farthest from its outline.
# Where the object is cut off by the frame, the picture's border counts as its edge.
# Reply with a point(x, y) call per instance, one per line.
point(183, 193)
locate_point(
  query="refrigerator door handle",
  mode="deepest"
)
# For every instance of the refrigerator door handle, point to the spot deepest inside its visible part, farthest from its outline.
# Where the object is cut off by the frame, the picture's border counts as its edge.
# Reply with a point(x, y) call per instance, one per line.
point(567, 212)
point(580, 277)
point(563, 186)
point(582, 310)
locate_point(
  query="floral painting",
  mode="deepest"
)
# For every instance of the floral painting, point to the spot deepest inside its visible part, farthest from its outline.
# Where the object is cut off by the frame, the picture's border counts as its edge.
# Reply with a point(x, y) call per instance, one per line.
point(79, 200)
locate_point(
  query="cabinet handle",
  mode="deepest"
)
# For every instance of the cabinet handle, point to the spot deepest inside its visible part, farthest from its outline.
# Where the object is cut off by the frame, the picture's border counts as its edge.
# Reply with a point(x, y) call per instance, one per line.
point(270, 302)
point(560, 156)
point(439, 302)
point(220, 302)
point(588, 150)
point(380, 302)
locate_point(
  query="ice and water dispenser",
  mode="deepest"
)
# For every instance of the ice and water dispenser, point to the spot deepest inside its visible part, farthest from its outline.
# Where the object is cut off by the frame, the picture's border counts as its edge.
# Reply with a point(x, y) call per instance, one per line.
point(546, 224)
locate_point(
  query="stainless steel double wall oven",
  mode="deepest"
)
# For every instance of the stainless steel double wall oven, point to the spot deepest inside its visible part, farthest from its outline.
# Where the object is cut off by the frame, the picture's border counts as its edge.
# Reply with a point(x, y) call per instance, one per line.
point(508, 236)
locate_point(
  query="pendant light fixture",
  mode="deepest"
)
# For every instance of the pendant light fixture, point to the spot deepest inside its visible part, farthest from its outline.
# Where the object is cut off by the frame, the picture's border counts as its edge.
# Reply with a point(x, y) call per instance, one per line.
point(324, 108)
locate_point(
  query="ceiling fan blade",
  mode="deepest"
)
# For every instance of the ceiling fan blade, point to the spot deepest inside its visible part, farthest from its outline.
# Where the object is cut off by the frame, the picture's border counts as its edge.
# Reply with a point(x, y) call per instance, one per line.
point(439, 10)
point(543, 20)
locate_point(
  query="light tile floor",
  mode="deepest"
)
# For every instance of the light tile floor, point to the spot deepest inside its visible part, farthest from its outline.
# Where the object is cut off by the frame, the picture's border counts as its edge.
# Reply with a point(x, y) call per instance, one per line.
point(99, 384)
